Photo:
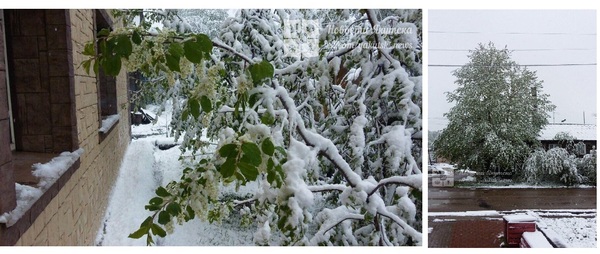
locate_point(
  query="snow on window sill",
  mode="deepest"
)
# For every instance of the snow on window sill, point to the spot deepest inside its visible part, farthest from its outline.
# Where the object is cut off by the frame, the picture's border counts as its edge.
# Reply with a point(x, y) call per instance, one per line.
point(108, 123)
point(48, 174)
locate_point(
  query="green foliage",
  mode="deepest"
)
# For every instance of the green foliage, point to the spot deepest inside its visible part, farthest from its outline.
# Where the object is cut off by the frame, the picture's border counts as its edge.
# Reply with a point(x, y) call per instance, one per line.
point(261, 71)
point(197, 47)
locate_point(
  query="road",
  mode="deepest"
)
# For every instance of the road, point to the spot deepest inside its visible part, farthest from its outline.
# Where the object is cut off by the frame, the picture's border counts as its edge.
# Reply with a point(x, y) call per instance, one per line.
point(444, 199)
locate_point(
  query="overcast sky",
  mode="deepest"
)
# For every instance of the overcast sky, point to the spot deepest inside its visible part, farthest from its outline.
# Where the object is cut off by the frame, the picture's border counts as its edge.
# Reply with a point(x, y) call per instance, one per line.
point(552, 37)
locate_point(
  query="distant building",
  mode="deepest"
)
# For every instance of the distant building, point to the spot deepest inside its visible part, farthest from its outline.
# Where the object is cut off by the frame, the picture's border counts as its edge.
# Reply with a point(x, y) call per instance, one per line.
point(584, 136)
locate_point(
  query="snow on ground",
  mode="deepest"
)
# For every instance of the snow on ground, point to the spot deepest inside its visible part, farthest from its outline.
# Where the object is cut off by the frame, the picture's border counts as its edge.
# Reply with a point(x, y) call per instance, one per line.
point(577, 232)
point(143, 169)
point(571, 228)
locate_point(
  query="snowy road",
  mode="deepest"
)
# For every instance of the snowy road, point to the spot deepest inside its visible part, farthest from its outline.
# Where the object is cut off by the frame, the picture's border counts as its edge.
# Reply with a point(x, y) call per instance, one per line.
point(461, 199)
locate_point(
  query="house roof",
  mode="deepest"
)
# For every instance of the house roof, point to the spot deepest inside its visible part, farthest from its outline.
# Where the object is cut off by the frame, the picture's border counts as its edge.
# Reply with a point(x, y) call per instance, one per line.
point(578, 131)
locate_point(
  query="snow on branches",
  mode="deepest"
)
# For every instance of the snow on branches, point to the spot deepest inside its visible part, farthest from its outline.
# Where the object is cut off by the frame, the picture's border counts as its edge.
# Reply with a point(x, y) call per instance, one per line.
point(325, 133)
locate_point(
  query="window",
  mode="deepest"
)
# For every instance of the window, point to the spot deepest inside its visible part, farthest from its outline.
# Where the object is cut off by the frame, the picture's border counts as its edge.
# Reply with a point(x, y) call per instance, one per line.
point(107, 86)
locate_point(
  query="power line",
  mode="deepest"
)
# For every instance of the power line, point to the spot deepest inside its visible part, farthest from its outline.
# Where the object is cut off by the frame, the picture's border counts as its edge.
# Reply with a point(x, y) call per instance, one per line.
point(509, 33)
point(523, 65)
point(468, 50)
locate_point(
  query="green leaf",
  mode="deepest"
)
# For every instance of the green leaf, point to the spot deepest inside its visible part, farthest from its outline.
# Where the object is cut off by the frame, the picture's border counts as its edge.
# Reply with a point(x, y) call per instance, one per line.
point(89, 49)
point(147, 222)
point(152, 208)
point(136, 37)
point(228, 167)
point(86, 65)
point(417, 194)
point(139, 233)
point(281, 150)
point(164, 217)
point(162, 192)
point(123, 47)
point(240, 177)
point(185, 114)
point(96, 67)
point(197, 48)
point(206, 104)
point(103, 33)
point(112, 65)
point(228, 150)
point(252, 154)
point(174, 209)
point(261, 71)
point(190, 212)
point(172, 62)
point(268, 147)
point(194, 107)
point(156, 201)
point(157, 230)
point(267, 119)
point(176, 50)
point(249, 171)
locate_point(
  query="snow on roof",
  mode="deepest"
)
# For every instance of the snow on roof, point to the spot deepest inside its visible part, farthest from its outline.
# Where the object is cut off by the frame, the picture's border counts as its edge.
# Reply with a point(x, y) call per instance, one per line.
point(536, 240)
point(578, 131)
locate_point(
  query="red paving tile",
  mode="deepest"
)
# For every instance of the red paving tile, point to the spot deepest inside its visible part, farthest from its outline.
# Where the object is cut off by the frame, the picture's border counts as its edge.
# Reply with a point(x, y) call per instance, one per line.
point(466, 233)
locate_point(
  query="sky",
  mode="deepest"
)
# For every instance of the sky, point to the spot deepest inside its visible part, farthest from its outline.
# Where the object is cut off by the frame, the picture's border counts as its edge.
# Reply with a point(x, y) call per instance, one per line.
point(549, 37)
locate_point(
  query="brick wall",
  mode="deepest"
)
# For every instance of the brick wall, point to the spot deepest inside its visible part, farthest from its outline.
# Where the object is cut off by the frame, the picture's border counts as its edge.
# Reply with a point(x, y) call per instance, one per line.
point(75, 215)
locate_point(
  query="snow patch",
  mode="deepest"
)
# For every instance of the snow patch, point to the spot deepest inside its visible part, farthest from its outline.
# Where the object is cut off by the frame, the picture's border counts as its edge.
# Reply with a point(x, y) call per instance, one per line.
point(108, 123)
point(536, 240)
point(466, 213)
point(47, 174)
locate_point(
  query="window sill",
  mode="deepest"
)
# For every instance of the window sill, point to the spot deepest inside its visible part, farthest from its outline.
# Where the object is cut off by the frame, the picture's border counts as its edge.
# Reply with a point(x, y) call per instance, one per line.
point(108, 124)
point(31, 201)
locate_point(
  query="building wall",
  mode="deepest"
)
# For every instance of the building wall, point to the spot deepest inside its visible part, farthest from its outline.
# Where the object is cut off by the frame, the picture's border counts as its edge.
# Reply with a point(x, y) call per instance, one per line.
point(75, 215)
point(7, 186)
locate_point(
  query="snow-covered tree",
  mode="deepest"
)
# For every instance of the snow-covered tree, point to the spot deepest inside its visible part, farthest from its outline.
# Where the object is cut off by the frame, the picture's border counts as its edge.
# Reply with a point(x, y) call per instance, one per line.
point(500, 109)
point(554, 165)
point(316, 108)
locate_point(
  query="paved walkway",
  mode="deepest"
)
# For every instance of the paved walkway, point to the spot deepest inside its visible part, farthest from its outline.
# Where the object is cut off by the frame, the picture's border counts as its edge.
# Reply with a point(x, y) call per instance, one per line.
point(466, 232)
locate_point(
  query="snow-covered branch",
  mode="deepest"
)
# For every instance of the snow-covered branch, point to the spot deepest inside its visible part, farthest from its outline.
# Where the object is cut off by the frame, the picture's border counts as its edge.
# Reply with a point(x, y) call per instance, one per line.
point(224, 46)
point(331, 219)
point(414, 181)
point(327, 187)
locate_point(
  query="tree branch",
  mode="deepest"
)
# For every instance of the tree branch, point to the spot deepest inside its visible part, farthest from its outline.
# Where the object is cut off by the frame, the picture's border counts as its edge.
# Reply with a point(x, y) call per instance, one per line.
point(414, 181)
point(329, 187)
point(224, 46)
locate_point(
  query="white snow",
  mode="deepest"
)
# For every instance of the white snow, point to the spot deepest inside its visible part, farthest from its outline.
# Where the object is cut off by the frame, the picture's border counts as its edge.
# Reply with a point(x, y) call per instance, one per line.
point(536, 240)
point(26, 197)
point(47, 175)
point(443, 220)
point(466, 213)
point(143, 169)
point(108, 123)
point(575, 232)
point(578, 131)
point(519, 218)
point(49, 172)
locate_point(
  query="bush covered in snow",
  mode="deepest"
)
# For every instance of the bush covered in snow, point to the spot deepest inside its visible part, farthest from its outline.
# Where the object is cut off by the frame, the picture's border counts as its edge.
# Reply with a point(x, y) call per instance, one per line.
point(559, 166)
point(330, 121)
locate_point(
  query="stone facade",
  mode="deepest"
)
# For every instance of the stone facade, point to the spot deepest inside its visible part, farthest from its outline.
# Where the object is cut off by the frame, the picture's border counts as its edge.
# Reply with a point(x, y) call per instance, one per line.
point(73, 215)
